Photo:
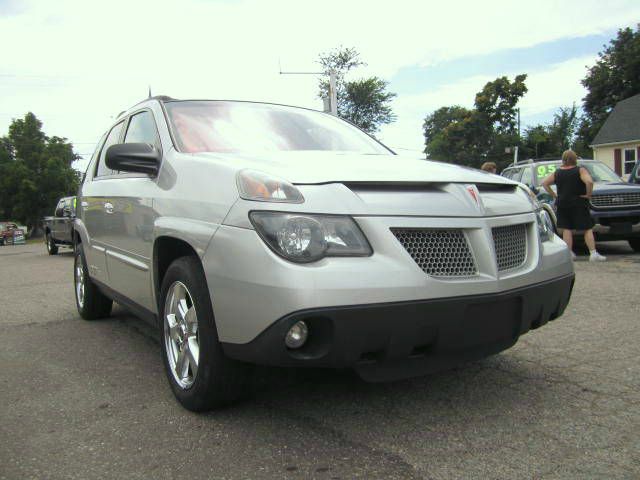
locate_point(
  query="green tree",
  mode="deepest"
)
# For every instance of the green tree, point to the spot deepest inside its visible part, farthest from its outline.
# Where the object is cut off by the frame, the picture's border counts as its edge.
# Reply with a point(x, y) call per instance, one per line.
point(35, 171)
point(473, 136)
point(614, 77)
point(364, 102)
point(497, 102)
point(549, 141)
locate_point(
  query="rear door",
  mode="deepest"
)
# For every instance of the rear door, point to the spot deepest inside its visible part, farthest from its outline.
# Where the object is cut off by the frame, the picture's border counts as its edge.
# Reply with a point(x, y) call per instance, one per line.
point(97, 207)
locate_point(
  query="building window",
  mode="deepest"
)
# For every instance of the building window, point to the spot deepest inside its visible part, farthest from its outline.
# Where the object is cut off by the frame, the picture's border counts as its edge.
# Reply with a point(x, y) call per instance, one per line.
point(629, 159)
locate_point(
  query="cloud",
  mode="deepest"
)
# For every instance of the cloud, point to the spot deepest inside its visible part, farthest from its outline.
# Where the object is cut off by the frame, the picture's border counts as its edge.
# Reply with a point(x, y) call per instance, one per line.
point(77, 63)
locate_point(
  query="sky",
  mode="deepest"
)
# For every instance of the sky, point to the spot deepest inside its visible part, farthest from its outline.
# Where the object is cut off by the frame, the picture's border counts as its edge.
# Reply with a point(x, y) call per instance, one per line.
point(77, 63)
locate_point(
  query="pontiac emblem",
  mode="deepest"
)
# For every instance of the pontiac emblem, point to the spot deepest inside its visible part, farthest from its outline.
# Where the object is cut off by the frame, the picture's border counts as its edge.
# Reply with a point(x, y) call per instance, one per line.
point(473, 192)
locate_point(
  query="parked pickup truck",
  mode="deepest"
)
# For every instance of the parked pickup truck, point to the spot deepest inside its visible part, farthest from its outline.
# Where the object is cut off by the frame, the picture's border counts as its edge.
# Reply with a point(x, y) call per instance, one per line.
point(615, 205)
point(58, 230)
point(357, 258)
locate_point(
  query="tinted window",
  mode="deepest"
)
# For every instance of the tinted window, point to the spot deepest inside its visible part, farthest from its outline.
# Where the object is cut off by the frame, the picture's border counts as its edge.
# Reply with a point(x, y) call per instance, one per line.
point(113, 138)
point(142, 129)
point(60, 208)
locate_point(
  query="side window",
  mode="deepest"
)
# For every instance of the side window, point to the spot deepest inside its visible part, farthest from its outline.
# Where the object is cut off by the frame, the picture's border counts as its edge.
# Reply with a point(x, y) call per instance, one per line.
point(112, 138)
point(527, 177)
point(142, 129)
point(60, 208)
point(513, 174)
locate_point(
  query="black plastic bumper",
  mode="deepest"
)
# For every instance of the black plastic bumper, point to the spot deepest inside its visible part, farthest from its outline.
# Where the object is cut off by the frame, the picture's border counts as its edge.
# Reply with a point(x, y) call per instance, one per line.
point(390, 341)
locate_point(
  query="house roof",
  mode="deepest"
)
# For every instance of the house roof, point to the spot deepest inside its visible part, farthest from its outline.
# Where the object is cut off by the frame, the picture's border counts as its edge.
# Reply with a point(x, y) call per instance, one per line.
point(622, 124)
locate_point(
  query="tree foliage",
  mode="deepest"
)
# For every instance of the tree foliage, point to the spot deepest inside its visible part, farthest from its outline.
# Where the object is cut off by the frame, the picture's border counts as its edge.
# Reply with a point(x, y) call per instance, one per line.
point(35, 171)
point(364, 102)
point(549, 141)
point(473, 136)
point(614, 77)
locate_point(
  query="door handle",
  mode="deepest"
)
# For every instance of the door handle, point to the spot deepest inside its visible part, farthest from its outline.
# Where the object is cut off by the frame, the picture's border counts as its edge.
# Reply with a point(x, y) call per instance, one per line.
point(108, 207)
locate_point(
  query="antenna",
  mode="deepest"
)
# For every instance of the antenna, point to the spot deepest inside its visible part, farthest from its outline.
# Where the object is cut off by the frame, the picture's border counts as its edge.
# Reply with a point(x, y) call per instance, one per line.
point(333, 96)
point(149, 91)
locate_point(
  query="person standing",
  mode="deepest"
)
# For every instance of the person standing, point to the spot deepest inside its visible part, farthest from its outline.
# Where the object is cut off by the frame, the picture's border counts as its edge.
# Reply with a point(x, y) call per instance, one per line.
point(574, 185)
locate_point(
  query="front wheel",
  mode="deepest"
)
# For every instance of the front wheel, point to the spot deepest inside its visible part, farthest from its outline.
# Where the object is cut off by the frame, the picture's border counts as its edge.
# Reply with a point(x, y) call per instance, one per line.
point(52, 248)
point(635, 244)
point(201, 376)
point(90, 301)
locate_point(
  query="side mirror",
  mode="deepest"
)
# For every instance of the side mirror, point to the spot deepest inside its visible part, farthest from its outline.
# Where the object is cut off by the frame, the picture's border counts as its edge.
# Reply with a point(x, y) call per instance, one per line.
point(133, 157)
point(59, 212)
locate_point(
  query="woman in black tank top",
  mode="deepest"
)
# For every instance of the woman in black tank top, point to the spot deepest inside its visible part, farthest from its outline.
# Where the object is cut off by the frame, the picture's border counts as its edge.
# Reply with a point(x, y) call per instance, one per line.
point(571, 189)
point(574, 186)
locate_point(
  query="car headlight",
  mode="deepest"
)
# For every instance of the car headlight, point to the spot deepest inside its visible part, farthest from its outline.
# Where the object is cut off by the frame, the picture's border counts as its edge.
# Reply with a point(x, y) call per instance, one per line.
point(304, 238)
point(545, 225)
point(262, 187)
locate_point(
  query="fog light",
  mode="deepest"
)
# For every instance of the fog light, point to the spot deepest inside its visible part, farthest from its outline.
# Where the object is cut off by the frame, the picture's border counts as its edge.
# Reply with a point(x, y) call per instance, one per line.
point(297, 335)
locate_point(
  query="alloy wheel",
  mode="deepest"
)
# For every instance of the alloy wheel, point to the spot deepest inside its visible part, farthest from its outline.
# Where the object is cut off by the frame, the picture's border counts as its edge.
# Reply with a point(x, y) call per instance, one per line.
point(79, 281)
point(181, 335)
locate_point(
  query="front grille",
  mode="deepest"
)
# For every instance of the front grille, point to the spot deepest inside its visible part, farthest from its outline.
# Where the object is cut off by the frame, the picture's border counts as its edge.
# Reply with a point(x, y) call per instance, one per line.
point(510, 243)
point(625, 199)
point(438, 252)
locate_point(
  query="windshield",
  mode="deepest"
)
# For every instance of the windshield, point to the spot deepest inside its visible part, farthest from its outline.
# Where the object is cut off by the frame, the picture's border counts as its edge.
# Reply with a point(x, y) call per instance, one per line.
point(238, 127)
point(598, 171)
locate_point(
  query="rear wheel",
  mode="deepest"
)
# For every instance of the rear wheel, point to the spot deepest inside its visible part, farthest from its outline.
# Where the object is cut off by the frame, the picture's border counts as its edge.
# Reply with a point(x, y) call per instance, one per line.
point(635, 244)
point(52, 248)
point(200, 375)
point(90, 301)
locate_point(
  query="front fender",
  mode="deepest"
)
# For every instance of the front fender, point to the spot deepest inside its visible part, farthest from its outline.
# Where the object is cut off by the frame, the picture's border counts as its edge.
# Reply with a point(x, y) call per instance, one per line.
point(196, 233)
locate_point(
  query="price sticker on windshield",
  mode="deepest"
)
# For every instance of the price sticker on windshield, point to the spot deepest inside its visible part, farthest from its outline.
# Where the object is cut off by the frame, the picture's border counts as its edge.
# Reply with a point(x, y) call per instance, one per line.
point(543, 171)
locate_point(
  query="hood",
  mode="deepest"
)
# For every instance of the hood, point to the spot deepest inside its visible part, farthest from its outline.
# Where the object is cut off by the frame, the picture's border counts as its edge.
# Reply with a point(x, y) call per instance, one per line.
point(308, 168)
point(615, 187)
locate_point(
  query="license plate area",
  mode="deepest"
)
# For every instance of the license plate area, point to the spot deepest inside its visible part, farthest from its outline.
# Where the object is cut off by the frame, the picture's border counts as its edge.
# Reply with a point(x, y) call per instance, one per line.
point(487, 323)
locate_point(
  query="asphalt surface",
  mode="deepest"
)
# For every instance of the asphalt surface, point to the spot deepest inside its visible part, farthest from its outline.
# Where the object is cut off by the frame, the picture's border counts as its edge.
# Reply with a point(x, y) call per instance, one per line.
point(90, 400)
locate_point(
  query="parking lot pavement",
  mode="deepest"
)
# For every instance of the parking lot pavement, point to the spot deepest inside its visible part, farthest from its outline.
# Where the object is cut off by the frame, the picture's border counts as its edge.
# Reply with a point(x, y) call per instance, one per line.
point(89, 399)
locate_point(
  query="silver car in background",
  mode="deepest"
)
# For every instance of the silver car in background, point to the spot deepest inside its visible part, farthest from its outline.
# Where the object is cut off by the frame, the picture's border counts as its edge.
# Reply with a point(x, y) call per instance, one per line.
point(255, 233)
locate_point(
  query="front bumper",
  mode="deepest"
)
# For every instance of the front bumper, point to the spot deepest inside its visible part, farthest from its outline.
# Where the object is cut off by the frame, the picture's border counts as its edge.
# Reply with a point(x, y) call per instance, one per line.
point(399, 340)
point(616, 224)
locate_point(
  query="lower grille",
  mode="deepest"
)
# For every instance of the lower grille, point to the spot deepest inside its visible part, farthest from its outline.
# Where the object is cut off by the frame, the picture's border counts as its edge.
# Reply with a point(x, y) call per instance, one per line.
point(625, 199)
point(510, 243)
point(438, 252)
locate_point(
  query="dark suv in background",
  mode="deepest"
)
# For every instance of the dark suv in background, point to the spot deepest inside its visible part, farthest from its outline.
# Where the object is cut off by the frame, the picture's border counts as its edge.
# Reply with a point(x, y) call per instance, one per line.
point(615, 205)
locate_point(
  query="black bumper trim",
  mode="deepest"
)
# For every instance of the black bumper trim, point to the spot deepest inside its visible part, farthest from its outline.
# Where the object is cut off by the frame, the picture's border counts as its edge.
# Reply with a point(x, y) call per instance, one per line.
point(388, 341)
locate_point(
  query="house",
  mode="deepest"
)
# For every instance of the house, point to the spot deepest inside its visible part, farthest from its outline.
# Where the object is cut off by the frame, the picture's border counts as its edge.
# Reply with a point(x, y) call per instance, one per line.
point(618, 142)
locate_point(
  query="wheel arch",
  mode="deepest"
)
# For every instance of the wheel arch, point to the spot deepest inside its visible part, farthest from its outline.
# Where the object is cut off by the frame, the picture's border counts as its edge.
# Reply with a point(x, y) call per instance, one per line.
point(166, 249)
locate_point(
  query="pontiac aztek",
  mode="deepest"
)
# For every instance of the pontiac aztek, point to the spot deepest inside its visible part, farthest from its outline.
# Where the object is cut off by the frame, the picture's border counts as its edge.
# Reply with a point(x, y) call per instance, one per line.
point(254, 233)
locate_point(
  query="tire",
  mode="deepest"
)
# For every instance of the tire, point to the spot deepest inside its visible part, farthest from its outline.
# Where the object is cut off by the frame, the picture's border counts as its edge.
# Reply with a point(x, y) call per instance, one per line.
point(52, 248)
point(90, 301)
point(189, 332)
point(635, 244)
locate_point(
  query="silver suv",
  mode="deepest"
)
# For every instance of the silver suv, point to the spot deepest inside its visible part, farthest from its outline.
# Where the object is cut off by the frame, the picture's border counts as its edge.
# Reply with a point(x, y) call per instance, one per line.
point(253, 233)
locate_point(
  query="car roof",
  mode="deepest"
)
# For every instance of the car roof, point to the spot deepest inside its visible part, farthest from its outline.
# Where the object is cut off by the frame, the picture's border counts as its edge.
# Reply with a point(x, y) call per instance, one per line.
point(524, 163)
point(166, 99)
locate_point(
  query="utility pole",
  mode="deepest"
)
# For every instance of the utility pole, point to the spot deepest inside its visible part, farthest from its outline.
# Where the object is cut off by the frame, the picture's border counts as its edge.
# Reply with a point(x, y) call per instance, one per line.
point(515, 150)
point(332, 107)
